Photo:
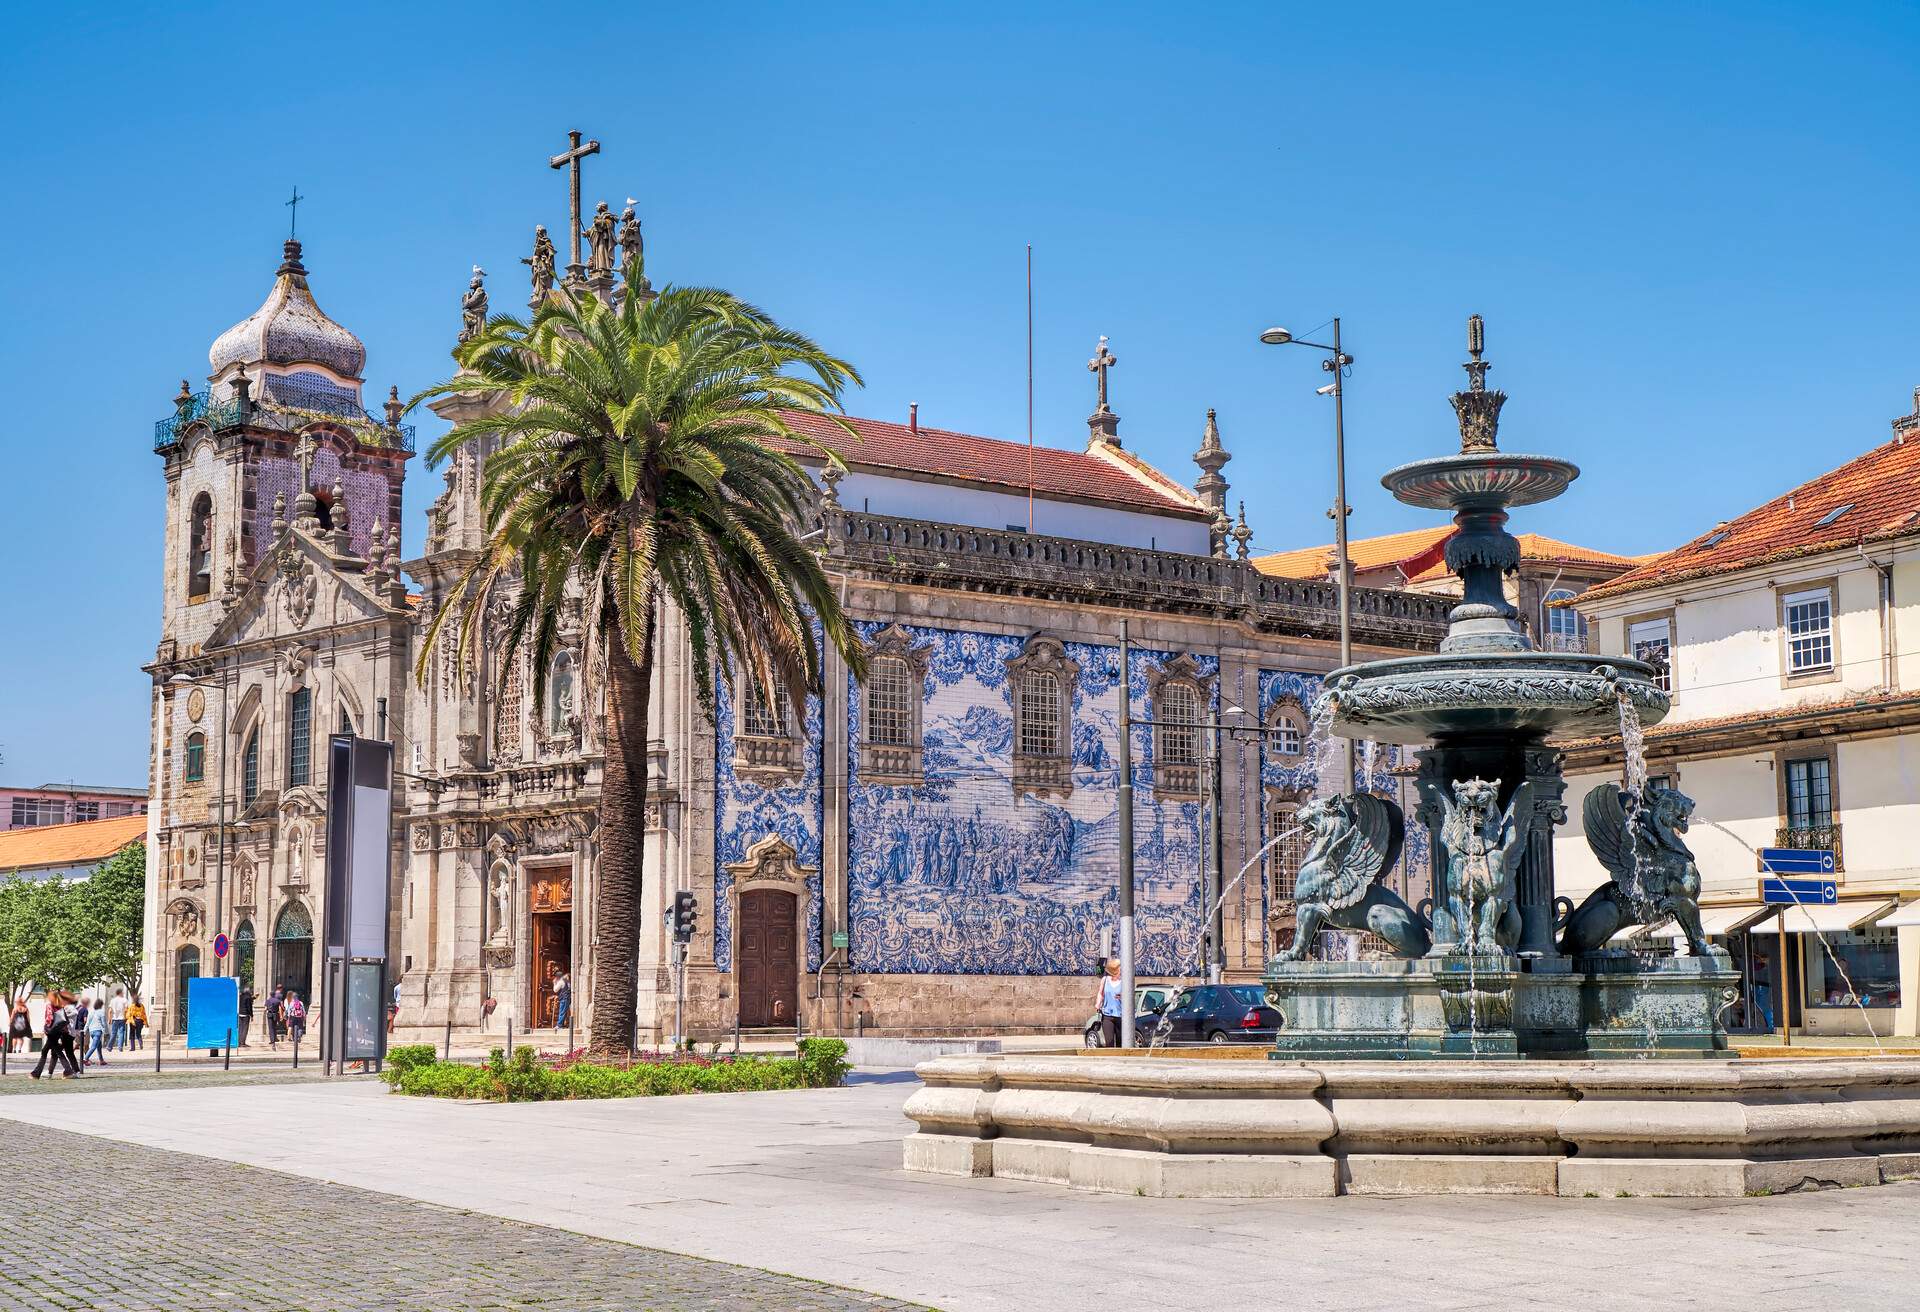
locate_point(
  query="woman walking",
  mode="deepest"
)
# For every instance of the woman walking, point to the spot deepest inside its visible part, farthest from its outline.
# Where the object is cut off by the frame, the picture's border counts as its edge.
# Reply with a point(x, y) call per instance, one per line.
point(58, 1048)
point(296, 1017)
point(96, 1036)
point(136, 1022)
point(19, 1027)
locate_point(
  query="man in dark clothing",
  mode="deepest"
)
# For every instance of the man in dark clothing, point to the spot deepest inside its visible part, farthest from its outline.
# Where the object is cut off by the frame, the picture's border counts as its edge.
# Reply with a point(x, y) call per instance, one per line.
point(246, 1012)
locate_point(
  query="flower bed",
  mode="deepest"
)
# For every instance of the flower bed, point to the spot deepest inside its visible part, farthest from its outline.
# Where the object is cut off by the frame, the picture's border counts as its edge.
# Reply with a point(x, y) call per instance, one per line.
point(532, 1077)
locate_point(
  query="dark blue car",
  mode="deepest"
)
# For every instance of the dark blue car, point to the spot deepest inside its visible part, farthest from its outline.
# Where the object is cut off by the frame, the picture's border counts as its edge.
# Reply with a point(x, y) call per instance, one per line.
point(1213, 1013)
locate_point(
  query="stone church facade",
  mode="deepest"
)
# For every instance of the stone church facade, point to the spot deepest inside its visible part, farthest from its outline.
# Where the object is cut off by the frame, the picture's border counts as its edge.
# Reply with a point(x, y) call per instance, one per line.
point(934, 850)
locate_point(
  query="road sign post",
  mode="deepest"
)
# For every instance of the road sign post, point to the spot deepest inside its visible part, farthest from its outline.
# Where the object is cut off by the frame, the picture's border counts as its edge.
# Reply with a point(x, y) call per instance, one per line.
point(1782, 889)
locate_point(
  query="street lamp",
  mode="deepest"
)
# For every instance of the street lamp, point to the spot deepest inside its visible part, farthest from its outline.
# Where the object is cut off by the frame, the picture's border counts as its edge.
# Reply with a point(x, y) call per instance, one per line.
point(1336, 363)
point(220, 879)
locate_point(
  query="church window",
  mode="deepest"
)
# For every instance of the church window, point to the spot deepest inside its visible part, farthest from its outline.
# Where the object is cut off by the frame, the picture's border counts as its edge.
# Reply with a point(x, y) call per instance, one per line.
point(1040, 714)
point(1283, 865)
point(560, 693)
point(890, 702)
point(506, 714)
point(1287, 724)
point(1177, 725)
point(200, 548)
point(323, 507)
point(299, 737)
point(761, 718)
point(250, 770)
point(196, 757)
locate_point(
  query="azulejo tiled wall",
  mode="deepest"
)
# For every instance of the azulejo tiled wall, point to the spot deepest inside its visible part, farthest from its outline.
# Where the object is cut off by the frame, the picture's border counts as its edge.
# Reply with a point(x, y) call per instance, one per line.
point(745, 811)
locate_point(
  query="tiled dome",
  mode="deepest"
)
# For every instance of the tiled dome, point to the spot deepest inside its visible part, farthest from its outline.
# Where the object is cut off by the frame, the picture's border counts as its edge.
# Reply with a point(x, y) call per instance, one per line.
point(289, 329)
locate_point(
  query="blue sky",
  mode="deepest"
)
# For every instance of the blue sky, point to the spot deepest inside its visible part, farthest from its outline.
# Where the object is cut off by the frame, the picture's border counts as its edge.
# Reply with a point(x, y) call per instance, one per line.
point(1690, 229)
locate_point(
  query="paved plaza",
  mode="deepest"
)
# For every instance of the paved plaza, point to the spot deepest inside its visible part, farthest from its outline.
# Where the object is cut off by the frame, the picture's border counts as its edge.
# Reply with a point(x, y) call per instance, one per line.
point(808, 1183)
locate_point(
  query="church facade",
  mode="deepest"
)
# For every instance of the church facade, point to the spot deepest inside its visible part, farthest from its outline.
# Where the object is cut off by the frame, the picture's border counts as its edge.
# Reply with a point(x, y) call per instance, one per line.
point(933, 850)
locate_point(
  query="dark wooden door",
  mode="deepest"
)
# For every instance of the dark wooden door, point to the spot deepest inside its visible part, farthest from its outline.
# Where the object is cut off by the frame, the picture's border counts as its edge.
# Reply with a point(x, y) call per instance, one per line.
point(769, 960)
point(551, 958)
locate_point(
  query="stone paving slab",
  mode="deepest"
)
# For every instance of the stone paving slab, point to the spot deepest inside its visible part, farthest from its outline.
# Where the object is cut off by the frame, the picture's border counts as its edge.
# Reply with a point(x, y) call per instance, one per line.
point(140, 1228)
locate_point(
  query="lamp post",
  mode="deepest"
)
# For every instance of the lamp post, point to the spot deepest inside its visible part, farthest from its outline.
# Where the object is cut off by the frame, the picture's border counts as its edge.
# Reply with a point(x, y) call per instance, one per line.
point(220, 877)
point(1336, 363)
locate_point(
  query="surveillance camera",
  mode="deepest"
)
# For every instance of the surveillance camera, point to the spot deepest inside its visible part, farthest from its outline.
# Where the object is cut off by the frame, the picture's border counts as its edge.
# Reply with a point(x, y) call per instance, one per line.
point(1328, 390)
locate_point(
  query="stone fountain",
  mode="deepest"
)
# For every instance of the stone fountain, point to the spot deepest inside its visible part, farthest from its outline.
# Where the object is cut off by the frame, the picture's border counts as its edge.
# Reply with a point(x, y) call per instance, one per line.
point(1498, 966)
point(1483, 1057)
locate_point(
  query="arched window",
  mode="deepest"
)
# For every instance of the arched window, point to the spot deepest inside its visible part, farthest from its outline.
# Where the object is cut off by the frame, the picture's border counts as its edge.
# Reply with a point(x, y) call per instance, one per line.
point(299, 737)
point(1566, 627)
point(200, 547)
point(1040, 714)
point(323, 506)
point(250, 769)
point(346, 721)
point(1177, 725)
point(1288, 725)
point(506, 713)
point(293, 951)
point(560, 693)
point(890, 699)
point(196, 757)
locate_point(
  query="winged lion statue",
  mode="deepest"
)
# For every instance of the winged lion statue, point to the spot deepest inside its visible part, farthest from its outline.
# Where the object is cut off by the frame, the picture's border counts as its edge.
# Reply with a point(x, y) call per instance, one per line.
point(1355, 839)
point(1639, 841)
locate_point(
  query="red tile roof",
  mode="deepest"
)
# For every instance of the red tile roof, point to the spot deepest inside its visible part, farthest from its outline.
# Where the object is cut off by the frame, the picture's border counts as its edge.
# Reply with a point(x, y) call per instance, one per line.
point(84, 843)
point(1881, 493)
point(1418, 552)
point(1540, 547)
point(1118, 477)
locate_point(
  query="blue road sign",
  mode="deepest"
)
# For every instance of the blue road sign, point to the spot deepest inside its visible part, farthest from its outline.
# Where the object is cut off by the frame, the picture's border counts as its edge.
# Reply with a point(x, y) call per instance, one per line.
point(1796, 860)
point(1799, 892)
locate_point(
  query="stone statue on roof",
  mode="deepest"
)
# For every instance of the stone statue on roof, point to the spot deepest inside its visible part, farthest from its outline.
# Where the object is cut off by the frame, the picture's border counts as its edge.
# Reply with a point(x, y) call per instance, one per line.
point(542, 262)
point(473, 306)
point(632, 246)
point(600, 239)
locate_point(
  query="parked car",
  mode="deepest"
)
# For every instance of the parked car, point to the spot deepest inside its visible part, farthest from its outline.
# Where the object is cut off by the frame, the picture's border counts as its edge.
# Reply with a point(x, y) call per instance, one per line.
point(1213, 1013)
point(1147, 998)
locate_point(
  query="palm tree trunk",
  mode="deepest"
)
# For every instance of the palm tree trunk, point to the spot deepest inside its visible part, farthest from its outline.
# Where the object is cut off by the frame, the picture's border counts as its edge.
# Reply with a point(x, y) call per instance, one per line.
point(623, 836)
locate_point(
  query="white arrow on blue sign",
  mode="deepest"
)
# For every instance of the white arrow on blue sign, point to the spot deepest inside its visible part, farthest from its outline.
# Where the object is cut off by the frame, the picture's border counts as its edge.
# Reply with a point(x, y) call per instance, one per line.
point(1796, 860)
point(1799, 892)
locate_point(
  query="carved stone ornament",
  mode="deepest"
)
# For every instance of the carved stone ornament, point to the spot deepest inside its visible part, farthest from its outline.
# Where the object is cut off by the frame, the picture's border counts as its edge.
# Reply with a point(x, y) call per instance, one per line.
point(422, 838)
point(196, 705)
point(244, 897)
point(447, 836)
point(186, 919)
point(770, 863)
point(296, 658)
point(299, 589)
point(551, 833)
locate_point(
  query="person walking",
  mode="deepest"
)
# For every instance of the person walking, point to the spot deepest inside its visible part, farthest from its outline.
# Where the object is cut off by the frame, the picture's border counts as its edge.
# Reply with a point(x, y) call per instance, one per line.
point(57, 1050)
point(136, 1023)
point(393, 1009)
point(296, 1017)
point(246, 1012)
point(562, 999)
point(117, 1021)
point(96, 1036)
point(79, 1027)
point(19, 1027)
point(276, 1016)
point(1109, 999)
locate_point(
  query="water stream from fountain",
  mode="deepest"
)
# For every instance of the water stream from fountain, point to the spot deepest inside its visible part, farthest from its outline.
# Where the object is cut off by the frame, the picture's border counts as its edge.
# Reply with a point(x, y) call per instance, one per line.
point(1323, 749)
point(1206, 919)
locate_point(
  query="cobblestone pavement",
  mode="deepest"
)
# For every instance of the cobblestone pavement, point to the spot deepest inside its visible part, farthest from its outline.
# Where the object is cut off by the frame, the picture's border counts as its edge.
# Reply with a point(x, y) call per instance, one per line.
point(140, 1228)
point(120, 1078)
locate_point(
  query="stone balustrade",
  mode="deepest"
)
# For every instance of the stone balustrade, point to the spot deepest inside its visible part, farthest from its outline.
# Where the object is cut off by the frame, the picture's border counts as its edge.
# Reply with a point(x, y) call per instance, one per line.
point(970, 559)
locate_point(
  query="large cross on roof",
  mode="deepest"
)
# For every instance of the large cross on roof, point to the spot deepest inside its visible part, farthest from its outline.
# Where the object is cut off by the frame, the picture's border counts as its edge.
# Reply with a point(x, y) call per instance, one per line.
point(569, 159)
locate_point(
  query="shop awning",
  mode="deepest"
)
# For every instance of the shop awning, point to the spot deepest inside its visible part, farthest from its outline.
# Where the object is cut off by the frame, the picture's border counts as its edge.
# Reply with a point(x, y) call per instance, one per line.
point(1642, 932)
point(1836, 918)
point(1907, 913)
point(1717, 922)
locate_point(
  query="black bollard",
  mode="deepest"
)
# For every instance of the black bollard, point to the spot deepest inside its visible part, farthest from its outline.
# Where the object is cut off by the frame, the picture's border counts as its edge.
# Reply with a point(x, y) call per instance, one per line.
point(296, 1052)
point(446, 1053)
point(509, 1038)
point(156, 1049)
point(226, 1059)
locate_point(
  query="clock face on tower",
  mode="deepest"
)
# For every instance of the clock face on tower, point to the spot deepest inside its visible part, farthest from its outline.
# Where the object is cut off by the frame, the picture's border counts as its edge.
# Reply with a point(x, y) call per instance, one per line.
point(196, 705)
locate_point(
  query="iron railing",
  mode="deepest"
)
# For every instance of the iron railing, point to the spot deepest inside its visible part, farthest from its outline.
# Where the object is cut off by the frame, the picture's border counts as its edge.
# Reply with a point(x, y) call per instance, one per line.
point(1818, 837)
point(288, 409)
point(197, 408)
point(1581, 643)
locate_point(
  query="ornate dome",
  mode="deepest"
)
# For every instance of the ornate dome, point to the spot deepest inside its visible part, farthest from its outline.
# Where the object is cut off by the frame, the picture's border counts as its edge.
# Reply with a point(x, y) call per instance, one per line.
point(289, 329)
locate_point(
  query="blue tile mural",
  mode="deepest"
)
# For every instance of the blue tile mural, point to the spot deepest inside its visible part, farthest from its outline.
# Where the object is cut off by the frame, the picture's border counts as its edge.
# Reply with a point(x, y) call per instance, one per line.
point(746, 811)
point(959, 875)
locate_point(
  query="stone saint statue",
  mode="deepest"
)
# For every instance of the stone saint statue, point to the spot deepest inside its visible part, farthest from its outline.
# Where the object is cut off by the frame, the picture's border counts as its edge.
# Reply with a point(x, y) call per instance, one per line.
point(473, 306)
point(633, 248)
point(1654, 875)
point(1356, 839)
point(542, 262)
point(1484, 848)
point(502, 903)
point(600, 238)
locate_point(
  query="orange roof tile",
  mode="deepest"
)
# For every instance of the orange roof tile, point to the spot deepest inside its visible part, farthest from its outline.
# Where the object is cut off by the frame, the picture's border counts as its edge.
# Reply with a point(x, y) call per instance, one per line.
point(1540, 547)
point(68, 845)
point(1419, 551)
point(1871, 497)
point(948, 454)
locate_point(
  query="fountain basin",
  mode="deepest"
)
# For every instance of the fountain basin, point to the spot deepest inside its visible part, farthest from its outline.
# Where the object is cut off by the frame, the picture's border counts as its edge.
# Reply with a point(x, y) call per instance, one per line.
point(1185, 1127)
point(1524, 694)
point(1491, 479)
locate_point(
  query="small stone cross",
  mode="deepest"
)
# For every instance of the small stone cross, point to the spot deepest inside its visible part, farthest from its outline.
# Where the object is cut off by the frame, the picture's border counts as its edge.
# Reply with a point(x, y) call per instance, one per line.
point(305, 450)
point(1102, 361)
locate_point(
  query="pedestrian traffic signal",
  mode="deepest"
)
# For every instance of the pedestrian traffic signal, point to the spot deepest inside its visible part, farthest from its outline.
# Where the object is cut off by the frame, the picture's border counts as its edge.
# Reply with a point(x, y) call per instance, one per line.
point(685, 916)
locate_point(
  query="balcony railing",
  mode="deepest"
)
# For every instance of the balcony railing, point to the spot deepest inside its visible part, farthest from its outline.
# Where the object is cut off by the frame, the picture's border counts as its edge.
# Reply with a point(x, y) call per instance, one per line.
point(1581, 643)
point(1818, 837)
point(287, 413)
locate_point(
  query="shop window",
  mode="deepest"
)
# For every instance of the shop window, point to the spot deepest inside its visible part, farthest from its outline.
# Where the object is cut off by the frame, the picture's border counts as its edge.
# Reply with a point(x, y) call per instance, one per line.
point(1863, 970)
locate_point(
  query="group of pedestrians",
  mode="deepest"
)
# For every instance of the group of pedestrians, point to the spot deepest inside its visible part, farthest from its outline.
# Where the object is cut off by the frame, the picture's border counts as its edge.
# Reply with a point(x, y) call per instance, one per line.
point(94, 1027)
point(286, 1015)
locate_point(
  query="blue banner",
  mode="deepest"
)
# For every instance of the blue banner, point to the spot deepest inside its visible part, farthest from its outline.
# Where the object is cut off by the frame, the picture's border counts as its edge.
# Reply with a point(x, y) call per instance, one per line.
point(213, 1011)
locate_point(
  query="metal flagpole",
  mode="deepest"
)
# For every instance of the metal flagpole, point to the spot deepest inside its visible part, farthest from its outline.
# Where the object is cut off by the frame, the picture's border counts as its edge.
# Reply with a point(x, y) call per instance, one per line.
point(1125, 820)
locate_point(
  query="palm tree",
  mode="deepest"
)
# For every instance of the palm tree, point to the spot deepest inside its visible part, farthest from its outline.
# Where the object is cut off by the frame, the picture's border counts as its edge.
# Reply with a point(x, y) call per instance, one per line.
point(627, 454)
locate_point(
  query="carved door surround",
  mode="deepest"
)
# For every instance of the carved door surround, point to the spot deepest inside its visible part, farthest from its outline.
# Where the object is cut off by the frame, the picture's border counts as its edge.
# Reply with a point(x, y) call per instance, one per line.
point(769, 888)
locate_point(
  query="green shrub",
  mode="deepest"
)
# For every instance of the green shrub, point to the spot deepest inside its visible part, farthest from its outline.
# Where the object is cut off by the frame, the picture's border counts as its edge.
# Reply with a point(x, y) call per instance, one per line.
point(823, 1062)
point(405, 1058)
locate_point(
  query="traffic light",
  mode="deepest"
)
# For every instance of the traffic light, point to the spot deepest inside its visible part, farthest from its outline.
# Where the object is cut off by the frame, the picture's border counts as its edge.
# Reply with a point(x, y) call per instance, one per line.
point(685, 916)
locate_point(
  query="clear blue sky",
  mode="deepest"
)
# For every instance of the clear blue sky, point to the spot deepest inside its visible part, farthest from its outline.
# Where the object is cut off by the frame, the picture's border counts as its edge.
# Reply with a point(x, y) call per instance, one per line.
point(1690, 229)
